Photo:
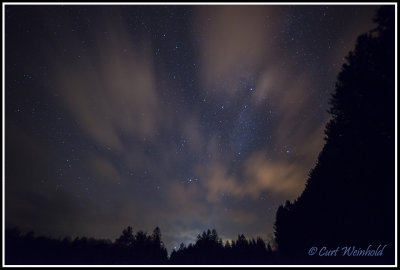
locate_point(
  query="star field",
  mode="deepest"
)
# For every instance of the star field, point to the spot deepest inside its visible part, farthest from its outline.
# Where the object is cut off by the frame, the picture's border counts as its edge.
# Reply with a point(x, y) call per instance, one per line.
point(182, 117)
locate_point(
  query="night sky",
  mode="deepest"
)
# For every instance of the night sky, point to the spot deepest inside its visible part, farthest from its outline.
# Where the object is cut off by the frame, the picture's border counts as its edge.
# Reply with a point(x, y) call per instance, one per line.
point(182, 117)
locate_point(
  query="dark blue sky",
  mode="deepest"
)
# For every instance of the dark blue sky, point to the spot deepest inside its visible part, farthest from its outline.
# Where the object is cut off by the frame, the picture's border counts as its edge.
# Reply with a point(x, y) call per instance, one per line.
point(182, 117)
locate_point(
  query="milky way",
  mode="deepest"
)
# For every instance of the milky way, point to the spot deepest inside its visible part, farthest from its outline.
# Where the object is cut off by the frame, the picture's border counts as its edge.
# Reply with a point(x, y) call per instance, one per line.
point(182, 117)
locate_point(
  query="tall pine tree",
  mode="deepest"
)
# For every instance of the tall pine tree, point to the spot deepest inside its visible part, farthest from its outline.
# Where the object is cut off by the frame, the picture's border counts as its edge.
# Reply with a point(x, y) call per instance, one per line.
point(349, 197)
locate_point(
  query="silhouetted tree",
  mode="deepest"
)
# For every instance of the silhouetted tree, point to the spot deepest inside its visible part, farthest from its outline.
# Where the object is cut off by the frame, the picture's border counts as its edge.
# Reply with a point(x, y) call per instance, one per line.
point(349, 197)
point(126, 239)
point(137, 249)
point(158, 248)
point(127, 249)
point(209, 249)
point(156, 236)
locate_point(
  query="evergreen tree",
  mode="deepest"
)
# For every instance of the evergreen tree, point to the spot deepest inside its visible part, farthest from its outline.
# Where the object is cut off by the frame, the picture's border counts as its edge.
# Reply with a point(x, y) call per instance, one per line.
point(349, 197)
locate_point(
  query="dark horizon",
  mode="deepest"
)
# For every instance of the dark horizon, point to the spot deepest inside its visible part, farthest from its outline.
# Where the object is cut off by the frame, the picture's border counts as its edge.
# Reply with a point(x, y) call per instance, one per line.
point(190, 118)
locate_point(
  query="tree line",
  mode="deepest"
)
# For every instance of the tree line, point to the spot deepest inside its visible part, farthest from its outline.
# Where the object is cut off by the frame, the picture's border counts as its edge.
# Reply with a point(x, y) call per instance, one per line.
point(133, 249)
point(129, 248)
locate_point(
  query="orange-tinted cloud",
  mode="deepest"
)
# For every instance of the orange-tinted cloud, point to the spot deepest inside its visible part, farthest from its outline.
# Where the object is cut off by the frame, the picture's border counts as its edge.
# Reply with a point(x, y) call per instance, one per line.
point(235, 42)
point(110, 90)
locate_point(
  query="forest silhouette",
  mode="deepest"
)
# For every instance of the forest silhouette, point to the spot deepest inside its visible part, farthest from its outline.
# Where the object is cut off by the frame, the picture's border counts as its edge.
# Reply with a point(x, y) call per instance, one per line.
point(349, 198)
point(134, 249)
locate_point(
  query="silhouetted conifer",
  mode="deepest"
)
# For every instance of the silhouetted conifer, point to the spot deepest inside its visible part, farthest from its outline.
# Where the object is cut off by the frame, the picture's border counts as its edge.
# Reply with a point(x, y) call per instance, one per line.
point(349, 197)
